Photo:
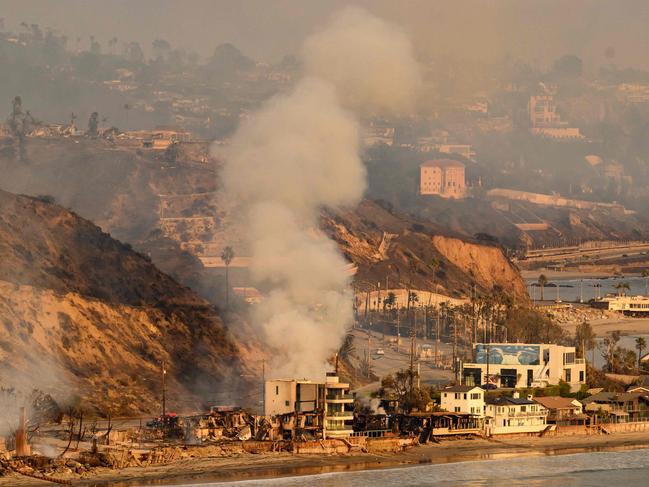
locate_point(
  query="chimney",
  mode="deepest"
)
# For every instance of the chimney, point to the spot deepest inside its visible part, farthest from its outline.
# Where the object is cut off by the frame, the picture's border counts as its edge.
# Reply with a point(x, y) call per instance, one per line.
point(529, 397)
point(516, 395)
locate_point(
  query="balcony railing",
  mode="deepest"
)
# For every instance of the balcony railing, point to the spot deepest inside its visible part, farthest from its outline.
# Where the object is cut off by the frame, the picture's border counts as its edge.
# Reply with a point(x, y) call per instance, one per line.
point(339, 413)
point(339, 397)
point(527, 414)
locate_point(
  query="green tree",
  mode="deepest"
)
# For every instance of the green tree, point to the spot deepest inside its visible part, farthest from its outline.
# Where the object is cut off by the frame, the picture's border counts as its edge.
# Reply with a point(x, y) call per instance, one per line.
point(400, 386)
point(226, 256)
point(584, 338)
point(610, 351)
point(93, 125)
point(569, 66)
point(645, 274)
point(621, 287)
point(640, 345)
point(542, 282)
point(347, 348)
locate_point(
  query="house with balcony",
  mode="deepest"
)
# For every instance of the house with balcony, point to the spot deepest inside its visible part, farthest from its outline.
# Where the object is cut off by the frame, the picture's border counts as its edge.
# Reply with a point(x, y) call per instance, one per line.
point(463, 399)
point(618, 407)
point(519, 365)
point(338, 408)
point(563, 411)
point(509, 415)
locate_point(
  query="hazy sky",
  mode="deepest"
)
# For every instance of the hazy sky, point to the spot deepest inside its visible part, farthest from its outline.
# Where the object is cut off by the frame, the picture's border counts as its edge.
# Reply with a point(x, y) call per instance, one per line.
point(539, 30)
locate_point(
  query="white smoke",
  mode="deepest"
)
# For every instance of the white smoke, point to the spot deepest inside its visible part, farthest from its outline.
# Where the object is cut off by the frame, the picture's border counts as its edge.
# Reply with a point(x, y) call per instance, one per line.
point(298, 154)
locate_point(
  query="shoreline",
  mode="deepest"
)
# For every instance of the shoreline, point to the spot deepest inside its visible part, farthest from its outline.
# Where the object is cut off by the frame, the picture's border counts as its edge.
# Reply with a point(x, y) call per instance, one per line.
point(266, 466)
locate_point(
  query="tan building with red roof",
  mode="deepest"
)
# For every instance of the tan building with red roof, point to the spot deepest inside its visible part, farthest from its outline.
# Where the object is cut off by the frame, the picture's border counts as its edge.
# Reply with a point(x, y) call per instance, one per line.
point(442, 177)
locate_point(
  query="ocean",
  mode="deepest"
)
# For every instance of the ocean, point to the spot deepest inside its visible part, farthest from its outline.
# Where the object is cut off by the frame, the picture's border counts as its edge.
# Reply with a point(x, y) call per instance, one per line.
point(593, 469)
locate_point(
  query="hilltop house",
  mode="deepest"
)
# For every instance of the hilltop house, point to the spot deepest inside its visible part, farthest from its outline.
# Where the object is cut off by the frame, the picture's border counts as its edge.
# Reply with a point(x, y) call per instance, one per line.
point(442, 177)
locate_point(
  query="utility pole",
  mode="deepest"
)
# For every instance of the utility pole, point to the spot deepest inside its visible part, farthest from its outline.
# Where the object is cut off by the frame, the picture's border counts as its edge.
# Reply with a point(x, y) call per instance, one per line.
point(488, 352)
point(398, 329)
point(163, 373)
point(263, 383)
point(455, 349)
point(367, 303)
point(369, 352)
point(437, 339)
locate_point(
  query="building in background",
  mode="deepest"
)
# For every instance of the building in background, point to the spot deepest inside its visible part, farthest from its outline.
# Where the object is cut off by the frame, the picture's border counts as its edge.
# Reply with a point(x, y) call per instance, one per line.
point(516, 365)
point(442, 177)
point(546, 122)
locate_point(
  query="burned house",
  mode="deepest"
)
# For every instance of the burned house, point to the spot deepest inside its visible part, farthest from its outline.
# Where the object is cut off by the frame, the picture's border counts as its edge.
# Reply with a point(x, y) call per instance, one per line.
point(440, 423)
point(222, 423)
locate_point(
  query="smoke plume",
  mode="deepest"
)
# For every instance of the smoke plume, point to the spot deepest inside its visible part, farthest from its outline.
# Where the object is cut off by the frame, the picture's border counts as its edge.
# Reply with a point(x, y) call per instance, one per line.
point(298, 154)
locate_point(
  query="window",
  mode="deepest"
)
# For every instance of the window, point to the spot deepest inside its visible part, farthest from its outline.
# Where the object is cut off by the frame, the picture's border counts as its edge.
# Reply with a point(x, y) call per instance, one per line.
point(465, 396)
point(457, 409)
point(457, 395)
point(568, 373)
point(581, 376)
point(475, 395)
point(445, 394)
point(286, 403)
point(523, 409)
point(277, 390)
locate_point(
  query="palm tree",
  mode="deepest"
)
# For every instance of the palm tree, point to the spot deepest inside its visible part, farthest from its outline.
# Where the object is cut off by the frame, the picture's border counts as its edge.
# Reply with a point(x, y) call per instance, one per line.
point(226, 256)
point(645, 274)
point(542, 282)
point(640, 345)
point(621, 287)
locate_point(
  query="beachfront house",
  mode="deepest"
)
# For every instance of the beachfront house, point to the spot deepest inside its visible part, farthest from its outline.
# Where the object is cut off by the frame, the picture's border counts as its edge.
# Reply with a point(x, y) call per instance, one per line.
point(520, 365)
point(463, 399)
point(508, 415)
point(618, 407)
point(563, 410)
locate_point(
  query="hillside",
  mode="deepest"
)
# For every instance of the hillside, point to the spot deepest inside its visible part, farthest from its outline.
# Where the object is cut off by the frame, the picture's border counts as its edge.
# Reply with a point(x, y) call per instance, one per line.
point(382, 242)
point(81, 313)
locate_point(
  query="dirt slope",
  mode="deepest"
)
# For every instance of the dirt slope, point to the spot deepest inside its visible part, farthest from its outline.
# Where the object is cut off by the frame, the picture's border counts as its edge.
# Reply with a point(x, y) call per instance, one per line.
point(80, 308)
point(382, 242)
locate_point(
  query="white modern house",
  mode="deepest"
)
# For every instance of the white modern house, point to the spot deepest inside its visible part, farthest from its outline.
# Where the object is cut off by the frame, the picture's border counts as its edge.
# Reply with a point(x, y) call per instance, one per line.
point(463, 399)
point(519, 365)
point(508, 415)
point(330, 401)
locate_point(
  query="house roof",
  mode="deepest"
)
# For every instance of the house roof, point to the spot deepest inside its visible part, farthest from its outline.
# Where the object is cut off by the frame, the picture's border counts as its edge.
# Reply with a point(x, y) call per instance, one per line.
point(460, 388)
point(603, 396)
point(606, 397)
point(556, 402)
point(441, 163)
point(504, 400)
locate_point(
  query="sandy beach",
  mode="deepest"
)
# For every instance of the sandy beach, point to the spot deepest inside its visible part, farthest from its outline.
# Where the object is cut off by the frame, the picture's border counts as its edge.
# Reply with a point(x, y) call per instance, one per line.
point(285, 464)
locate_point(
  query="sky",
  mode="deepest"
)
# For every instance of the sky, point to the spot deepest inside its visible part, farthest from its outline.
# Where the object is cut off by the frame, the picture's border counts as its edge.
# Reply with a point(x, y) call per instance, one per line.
point(535, 30)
